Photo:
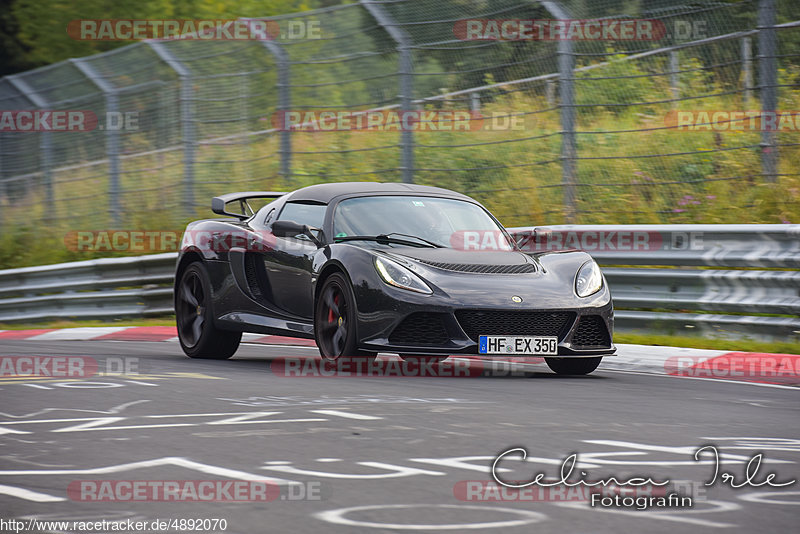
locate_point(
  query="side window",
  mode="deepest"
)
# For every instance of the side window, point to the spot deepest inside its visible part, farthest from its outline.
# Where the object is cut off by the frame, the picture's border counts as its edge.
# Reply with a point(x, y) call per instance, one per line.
point(311, 214)
point(266, 214)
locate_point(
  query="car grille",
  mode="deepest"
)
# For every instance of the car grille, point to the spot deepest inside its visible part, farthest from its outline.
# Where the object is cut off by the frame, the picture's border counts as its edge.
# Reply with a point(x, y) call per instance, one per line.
point(420, 328)
point(515, 323)
point(478, 268)
point(591, 332)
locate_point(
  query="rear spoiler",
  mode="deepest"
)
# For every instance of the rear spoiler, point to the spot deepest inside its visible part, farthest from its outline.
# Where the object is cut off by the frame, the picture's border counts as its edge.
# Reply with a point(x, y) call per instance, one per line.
point(218, 203)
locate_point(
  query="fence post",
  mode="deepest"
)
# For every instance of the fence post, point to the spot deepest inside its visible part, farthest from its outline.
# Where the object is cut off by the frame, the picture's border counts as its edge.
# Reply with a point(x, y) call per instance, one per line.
point(566, 65)
point(284, 104)
point(474, 102)
point(747, 69)
point(674, 67)
point(45, 145)
point(112, 135)
point(406, 72)
point(187, 119)
point(767, 82)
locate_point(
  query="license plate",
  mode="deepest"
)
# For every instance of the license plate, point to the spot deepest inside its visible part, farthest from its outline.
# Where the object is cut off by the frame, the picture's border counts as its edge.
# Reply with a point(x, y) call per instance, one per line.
point(517, 345)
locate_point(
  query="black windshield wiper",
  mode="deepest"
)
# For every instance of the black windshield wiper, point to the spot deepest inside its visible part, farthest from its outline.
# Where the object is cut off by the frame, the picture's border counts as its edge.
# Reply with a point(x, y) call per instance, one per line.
point(431, 243)
point(386, 238)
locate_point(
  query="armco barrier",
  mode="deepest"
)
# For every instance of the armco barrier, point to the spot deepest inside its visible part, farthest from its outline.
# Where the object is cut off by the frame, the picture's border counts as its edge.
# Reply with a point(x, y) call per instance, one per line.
point(757, 295)
point(673, 294)
point(94, 289)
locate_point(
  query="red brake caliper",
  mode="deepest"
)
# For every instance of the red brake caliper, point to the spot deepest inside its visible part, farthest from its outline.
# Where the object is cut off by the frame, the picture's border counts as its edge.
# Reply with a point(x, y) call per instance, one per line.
point(330, 311)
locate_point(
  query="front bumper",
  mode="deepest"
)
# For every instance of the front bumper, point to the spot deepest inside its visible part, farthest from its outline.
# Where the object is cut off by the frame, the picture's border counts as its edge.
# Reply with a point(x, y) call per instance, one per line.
point(415, 332)
point(542, 303)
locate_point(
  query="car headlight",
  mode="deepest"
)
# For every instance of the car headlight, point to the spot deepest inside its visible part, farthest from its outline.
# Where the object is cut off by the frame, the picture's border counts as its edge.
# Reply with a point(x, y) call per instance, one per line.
point(395, 274)
point(589, 279)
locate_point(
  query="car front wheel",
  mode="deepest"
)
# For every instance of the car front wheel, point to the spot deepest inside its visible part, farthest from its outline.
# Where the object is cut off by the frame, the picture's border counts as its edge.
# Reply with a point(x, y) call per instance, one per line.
point(335, 320)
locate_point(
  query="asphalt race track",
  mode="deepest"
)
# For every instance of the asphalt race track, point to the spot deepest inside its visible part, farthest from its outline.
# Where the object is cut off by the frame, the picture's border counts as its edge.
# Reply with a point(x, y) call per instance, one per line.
point(385, 454)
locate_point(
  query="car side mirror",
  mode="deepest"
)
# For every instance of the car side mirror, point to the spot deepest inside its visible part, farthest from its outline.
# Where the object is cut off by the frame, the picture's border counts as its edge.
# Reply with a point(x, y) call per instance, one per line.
point(292, 228)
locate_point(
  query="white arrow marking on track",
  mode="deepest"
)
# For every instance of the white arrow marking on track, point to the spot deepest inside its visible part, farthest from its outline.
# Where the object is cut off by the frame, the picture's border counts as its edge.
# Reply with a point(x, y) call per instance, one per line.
point(347, 415)
point(28, 495)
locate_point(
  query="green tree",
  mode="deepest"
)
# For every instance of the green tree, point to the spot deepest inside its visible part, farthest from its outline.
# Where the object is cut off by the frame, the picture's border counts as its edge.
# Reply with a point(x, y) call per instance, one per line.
point(42, 24)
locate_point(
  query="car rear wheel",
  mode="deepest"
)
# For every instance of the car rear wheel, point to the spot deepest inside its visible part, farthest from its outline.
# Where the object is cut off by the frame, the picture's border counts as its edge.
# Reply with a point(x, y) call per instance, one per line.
point(573, 366)
point(335, 320)
point(198, 336)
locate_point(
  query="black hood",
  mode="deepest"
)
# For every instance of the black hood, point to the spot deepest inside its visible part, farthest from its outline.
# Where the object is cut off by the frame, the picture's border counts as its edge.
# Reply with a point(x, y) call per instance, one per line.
point(486, 262)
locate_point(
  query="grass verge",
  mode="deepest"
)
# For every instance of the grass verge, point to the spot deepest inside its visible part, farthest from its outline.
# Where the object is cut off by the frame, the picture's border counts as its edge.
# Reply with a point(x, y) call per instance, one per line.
point(776, 347)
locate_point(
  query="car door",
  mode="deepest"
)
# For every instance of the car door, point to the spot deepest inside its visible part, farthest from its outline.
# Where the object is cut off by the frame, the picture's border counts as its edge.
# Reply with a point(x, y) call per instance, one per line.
point(289, 263)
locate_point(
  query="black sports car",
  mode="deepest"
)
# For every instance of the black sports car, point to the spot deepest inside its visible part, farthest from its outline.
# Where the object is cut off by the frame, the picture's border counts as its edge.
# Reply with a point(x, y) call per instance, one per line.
point(363, 268)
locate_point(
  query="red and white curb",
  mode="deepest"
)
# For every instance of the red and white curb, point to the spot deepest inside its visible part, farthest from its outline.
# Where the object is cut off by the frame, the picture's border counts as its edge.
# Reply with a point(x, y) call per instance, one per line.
point(132, 333)
point(694, 363)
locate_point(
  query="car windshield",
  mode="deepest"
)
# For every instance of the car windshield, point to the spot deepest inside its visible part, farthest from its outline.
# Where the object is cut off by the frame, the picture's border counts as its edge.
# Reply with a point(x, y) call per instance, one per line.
point(443, 221)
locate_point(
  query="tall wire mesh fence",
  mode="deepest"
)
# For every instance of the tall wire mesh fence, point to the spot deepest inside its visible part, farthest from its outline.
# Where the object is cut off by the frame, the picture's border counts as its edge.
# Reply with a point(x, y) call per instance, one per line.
point(575, 129)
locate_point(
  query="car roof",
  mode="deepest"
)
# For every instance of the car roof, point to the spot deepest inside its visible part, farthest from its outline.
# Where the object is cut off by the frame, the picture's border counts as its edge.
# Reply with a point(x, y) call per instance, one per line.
point(324, 193)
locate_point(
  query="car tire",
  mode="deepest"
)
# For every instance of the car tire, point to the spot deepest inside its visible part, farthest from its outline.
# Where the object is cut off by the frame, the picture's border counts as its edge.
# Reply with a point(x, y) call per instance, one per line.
point(573, 366)
point(335, 313)
point(198, 335)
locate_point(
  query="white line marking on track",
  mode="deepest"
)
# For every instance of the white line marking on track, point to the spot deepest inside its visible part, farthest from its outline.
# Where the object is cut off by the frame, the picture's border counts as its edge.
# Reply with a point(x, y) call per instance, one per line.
point(99, 423)
point(125, 427)
point(769, 497)
point(115, 409)
point(347, 415)
point(10, 431)
point(220, 414)
point(717, 380)
point(158, 462)
point(90, 425)
point(525, 517)
point(52, 421)
point(29, 495)
point(394, 471)
point(244, 419)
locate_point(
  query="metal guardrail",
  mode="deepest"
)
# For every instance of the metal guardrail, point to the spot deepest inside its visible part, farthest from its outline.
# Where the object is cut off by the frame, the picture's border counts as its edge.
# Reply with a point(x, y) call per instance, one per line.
point(675, 292)
point(763, 246)
point(751, 298)
point(94, 289)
